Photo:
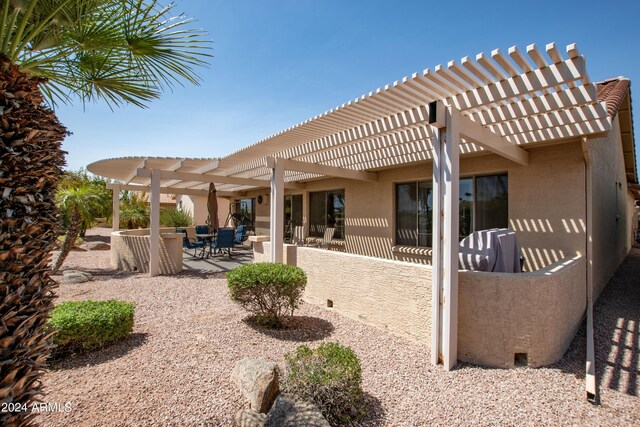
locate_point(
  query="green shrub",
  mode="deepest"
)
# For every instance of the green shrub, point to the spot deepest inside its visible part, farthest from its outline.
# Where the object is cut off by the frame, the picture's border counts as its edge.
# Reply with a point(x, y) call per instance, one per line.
point(87, 325)
point(267, 290)
point(330, 377)
point(172, 217)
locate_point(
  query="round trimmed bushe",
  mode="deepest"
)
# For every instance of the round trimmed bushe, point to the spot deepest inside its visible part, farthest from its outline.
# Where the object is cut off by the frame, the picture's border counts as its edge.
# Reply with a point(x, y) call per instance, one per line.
point(87, 325)
point(268, 290)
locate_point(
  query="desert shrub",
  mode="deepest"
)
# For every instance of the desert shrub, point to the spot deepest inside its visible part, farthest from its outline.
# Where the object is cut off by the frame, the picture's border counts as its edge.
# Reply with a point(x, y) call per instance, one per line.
point(268, 290)
point(172, 217)
point(87, 325)
point(330, 377)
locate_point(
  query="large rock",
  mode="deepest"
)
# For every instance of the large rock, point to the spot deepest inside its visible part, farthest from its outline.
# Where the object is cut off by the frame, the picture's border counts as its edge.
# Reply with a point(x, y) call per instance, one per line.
point(285, 412)
point(96, 246)
point(75, 276)
point(249, 418)
point(257, 380)
point(289, 412)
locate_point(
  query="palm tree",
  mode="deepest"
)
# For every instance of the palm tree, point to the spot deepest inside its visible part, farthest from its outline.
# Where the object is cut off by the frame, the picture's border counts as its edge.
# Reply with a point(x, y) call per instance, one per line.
point(118, 51)
point(78, 205)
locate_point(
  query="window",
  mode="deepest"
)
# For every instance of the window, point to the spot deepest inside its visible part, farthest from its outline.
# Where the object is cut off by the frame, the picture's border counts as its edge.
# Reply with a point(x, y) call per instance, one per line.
point(484, 204)
point(245, 213)
point(326, 209)
point(292, 214)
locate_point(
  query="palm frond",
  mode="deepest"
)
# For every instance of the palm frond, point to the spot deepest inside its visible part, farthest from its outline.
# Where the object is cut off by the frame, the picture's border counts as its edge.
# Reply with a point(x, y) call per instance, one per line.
point(117, 51)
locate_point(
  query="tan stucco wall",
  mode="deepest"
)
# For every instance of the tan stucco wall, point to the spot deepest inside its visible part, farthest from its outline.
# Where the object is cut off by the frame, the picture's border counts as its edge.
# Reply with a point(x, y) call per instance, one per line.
point(546, 205)
point(392, 295)
point(499, 314)
point(612, 217)
point(197, 205)
point(130, 250)
point(536, 313)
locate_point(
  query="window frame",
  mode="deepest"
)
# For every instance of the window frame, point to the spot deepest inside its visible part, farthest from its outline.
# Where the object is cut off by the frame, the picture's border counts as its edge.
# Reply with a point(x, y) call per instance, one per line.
point(326, 192)
point(430, 181)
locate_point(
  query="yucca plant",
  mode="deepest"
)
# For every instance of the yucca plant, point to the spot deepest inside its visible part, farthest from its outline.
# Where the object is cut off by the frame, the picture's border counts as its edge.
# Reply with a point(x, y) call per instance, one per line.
point(118, 51)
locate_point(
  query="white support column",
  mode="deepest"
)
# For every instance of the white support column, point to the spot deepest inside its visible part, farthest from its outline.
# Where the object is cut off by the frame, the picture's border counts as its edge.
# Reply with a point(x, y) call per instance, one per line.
point(436, 245)
point(276, 229)
point(446, 161)
point(115, 217)
point(154, 234)
point(451, 174)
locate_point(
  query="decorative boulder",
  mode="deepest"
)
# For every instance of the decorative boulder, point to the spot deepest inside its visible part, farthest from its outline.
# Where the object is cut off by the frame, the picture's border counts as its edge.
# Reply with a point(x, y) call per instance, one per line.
point(96, 246)
point(257, 380)
point(75, 276)
point(249, 418)
point(289, 412)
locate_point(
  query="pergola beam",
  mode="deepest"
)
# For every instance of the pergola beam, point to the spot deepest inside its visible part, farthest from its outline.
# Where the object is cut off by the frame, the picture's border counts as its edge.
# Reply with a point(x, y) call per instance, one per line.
point(333, 171)
point(169, 190)
point(482, 136)
point(222, 179)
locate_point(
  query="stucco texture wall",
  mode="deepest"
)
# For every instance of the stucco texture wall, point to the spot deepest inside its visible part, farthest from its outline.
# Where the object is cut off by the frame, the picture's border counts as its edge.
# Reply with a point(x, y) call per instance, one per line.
point(499, 314)
point(130, 250)
point(612, 213)
point(536, 313)
point(392, 295)
point(546, 205)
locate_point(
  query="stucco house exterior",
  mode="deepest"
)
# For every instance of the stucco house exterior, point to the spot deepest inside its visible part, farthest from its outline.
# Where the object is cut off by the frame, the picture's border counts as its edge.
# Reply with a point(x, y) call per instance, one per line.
point(522, 139)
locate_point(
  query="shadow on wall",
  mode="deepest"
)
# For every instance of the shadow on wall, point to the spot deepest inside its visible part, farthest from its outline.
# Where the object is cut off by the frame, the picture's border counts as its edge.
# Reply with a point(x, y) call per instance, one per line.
point(137, 258)
point(546, 242)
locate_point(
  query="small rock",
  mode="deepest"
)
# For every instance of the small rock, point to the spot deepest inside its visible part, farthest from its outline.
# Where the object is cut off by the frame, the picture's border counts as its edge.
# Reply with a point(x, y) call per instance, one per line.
point(257, 380)
point(249, 418)
point(289, 412)
point(75, 276)
point(96, 246)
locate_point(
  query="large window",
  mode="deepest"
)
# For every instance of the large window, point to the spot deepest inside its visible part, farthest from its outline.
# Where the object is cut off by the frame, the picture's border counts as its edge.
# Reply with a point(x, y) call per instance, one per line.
point(484, 204)
point(326, 209)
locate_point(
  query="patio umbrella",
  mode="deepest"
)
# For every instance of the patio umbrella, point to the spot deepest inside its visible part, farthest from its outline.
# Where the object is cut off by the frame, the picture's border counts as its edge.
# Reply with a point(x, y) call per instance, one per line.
point(212, 207)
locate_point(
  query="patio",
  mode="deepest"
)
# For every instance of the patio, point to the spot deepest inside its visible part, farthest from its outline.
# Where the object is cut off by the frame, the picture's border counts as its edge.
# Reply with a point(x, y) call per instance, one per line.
point(218, 263)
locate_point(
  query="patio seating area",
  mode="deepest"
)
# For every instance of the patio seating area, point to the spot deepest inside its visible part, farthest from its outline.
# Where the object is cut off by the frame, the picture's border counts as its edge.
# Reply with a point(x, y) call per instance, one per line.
point(241, 255)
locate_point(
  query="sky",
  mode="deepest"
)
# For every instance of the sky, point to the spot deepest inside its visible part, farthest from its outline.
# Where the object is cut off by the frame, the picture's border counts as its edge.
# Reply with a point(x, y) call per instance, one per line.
point(277, 63)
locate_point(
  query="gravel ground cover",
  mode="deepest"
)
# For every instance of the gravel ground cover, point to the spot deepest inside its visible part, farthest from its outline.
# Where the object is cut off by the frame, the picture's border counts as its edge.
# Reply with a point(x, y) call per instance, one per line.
point(188, 335)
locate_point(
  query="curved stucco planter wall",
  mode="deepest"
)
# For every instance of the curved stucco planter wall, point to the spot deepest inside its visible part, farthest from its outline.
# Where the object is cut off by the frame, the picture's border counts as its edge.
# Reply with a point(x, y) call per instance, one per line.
point(499, 314)
point(130, 250)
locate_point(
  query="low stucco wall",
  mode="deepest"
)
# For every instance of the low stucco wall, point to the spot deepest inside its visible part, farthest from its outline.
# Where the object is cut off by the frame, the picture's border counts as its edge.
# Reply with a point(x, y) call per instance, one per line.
point(538, 314)
point(499, 314)
point(392, 295)
point(130, 250)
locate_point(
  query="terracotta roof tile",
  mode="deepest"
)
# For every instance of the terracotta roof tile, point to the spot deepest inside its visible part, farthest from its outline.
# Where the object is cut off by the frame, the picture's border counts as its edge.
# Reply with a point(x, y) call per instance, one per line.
point(612, 92)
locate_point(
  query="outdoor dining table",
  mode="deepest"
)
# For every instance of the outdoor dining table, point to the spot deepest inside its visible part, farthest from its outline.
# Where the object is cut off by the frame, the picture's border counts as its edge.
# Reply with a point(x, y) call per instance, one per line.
point(206, 238)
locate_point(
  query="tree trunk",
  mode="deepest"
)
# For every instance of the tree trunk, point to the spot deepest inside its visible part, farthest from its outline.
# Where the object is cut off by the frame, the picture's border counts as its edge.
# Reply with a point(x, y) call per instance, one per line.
point(30, 165)
point(69, 240)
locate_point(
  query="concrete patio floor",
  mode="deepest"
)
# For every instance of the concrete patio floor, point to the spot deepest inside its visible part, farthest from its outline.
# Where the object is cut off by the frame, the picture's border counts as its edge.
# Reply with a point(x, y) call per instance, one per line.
point(240, 255)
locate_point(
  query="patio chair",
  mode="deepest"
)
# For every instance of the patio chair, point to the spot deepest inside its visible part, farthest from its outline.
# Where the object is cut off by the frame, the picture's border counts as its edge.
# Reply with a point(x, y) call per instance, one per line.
point(298, 236)
point(202, 229)
point(188, 244)
point(224, 241)
point(240, 236)
point(326, 239)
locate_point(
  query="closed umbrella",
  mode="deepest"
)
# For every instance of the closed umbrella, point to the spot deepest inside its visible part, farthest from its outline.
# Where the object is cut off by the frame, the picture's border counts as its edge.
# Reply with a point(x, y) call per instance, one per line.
point(212, 207)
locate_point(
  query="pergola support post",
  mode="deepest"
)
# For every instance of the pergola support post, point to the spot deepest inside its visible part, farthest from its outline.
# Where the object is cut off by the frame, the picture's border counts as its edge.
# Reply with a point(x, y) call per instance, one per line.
point(115, 217)
point(276, 231)
point(154, 226)
point(446, 176)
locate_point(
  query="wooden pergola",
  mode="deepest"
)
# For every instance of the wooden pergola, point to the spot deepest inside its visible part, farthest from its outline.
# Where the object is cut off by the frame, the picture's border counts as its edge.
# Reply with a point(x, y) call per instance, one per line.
point(502, 103)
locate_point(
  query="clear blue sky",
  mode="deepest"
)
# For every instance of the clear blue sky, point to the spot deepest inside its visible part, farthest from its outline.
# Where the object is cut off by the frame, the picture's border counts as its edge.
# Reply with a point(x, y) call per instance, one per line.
point(278, 63)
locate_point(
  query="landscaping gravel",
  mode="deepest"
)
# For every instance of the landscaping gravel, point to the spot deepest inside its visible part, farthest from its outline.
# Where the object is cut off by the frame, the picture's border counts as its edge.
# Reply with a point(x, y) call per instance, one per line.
point(175, 369)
